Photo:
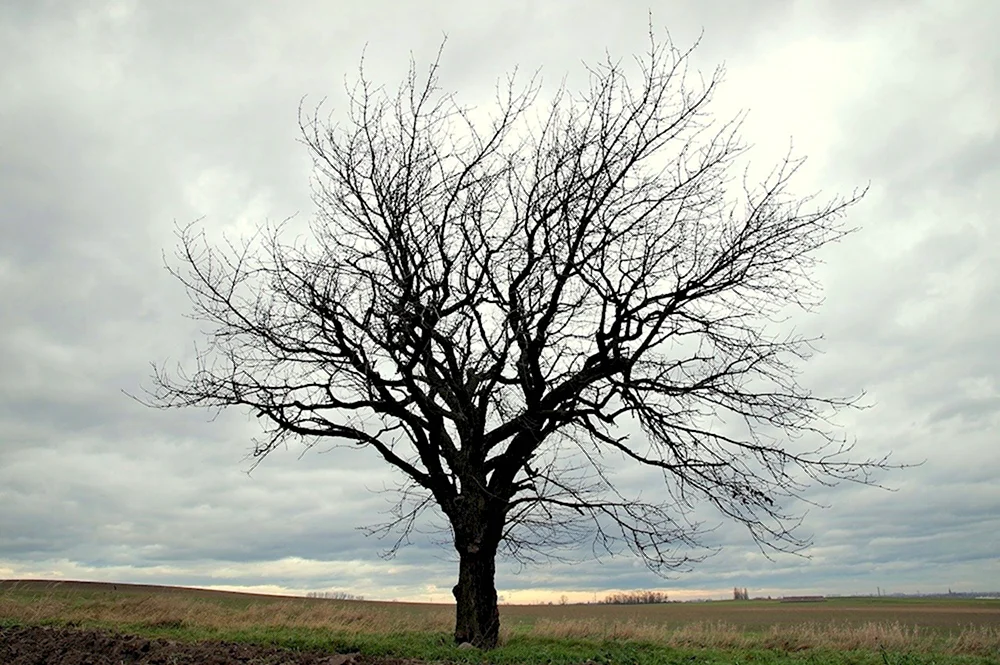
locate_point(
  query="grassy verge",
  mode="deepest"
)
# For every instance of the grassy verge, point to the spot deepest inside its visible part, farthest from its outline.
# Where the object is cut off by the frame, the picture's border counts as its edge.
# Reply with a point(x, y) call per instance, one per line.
point(423, 631)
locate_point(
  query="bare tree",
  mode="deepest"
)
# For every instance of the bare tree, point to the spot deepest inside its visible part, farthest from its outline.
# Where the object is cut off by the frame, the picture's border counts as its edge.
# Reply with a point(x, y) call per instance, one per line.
point(500, 307)
point(638, 597)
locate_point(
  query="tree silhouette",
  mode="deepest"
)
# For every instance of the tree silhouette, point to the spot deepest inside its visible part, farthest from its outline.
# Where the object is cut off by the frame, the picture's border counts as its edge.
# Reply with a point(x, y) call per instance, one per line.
point(500, 308)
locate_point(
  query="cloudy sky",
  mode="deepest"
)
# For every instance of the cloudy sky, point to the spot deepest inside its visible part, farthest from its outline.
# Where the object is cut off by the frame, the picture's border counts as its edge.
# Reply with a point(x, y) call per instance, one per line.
point(118, 119)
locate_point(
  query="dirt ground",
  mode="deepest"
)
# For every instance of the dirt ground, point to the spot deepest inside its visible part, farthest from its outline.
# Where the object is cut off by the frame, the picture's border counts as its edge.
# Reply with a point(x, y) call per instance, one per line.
point(38, 645)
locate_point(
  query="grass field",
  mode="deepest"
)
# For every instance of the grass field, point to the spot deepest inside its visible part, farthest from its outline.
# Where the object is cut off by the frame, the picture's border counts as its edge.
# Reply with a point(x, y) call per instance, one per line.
point(843, 630)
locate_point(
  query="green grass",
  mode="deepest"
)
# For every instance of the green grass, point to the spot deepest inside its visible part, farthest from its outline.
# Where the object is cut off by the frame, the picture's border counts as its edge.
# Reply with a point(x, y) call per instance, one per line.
point(841, 631)
point(531, 650)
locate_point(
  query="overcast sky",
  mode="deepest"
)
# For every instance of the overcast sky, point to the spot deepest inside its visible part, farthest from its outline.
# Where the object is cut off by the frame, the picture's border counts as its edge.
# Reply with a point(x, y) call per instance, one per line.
point(118, 119)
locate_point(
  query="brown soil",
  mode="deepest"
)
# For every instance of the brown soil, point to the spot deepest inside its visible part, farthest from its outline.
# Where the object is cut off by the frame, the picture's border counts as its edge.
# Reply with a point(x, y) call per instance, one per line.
point(42, 645)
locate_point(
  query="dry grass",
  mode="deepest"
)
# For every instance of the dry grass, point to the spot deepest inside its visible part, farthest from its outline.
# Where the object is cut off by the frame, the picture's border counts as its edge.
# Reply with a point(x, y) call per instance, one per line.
point(978, 640)
point(957, 628)
point(178, 610)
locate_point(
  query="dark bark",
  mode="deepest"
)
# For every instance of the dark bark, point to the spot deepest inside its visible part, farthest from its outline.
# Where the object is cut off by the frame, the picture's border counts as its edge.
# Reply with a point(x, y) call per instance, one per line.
point(477, 522)
point(477, 617)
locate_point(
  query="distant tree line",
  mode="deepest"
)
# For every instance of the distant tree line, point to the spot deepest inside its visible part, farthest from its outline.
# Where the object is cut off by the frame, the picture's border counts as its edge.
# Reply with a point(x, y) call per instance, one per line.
point(635, 598)
point(334, 595)
point(740, 594)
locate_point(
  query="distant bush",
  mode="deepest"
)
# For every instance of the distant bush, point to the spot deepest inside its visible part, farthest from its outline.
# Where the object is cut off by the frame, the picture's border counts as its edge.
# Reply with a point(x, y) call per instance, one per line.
point(635, 598)
point(334, 595)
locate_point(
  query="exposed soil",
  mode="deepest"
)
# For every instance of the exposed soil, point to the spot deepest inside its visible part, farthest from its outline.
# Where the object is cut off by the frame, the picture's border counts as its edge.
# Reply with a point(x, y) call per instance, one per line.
point(43, 645)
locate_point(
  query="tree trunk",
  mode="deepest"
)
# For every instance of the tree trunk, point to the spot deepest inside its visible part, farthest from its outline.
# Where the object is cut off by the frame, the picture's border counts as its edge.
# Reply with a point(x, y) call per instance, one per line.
point(477, 617)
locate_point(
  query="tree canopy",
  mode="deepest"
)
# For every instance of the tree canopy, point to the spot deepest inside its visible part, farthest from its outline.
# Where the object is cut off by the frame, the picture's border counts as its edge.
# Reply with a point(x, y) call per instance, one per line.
point(505, 308)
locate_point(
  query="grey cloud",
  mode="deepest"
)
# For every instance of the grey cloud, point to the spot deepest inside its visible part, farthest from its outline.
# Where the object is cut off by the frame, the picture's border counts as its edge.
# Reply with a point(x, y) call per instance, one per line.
point(113, 131)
